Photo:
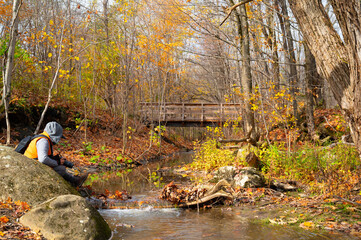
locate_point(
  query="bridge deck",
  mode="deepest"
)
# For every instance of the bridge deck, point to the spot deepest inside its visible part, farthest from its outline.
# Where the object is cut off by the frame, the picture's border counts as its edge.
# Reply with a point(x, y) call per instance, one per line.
point(190, 113)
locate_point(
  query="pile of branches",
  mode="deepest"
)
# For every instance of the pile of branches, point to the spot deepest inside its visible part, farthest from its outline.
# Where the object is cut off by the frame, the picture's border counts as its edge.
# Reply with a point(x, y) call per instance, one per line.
point(180, 196)
point(218, 194)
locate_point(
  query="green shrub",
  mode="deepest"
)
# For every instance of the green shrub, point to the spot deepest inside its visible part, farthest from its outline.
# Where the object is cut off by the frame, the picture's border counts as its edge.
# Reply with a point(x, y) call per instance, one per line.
point(208, 157)
point(326, 170)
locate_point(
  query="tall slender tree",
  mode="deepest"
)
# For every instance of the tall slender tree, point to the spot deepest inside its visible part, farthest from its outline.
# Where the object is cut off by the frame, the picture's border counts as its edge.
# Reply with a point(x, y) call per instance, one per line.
point(9, 63)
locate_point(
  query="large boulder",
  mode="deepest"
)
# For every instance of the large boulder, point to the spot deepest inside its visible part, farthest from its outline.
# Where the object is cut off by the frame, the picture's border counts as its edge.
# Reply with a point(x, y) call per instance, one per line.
point(67, 217)
point(28, 180)
point(249, 177)
point(244, 151)
point(226, 172)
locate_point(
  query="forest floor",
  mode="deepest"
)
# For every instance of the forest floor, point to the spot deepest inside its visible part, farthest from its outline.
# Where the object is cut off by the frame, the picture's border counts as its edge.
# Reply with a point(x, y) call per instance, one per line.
point(101, 146)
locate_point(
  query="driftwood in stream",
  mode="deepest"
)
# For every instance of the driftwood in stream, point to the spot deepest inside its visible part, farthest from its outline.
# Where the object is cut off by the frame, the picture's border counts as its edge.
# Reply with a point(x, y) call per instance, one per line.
point(196, 197)
point(218, 196)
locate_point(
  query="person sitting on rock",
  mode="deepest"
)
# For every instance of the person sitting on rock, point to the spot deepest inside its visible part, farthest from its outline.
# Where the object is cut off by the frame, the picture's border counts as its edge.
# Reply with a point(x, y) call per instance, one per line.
point(41, 148)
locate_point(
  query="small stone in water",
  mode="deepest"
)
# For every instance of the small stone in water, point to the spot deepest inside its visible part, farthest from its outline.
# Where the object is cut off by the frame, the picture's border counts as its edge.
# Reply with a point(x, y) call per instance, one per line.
point(125, 225)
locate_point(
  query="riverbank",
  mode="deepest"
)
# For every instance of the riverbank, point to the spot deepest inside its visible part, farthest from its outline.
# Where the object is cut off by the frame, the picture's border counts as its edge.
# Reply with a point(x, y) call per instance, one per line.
point(299, 208)
point(96, 146)
point(100, 146)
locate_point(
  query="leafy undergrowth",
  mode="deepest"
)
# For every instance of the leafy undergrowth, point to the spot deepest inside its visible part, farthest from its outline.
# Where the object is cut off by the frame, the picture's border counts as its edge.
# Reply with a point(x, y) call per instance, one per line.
point(101, 144)
point(104, 147)
point(327, 169)
point(10, 228)
point(313, 213)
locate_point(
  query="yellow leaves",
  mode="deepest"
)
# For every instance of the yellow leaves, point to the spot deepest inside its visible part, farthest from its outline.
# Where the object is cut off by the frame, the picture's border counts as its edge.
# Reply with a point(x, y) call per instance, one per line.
point(279, 94)
point(2, 234)
point(51, 22)
point(63, 73)
point(307, 225)
point(71, 50)
point(46, 68)
point(50, 55)
point(254, 107)
point(76, 58)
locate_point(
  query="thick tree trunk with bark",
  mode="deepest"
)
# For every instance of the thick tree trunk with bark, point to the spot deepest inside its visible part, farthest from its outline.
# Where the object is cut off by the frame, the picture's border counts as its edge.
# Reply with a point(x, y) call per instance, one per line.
point(338, 61)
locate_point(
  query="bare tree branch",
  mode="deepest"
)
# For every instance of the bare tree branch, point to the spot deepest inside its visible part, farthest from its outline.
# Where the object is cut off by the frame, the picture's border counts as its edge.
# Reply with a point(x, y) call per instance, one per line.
point(230, 10)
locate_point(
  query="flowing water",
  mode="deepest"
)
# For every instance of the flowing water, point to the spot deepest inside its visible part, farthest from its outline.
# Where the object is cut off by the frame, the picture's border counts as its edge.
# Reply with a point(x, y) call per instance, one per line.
point(149, 218)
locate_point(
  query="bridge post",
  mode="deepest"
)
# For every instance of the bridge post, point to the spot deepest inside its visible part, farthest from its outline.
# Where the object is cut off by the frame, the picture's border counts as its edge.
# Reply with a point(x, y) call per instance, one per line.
point(183, 112)
point(222, 113)
point(202, 116)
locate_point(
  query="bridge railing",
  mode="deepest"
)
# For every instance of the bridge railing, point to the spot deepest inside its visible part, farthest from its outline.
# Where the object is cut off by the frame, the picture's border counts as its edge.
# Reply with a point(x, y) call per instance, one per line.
point(190, 112)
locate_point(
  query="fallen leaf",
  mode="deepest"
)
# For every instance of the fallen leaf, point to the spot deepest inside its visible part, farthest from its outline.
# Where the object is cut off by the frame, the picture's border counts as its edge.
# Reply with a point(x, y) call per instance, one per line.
point(4, 219)
point(307, 225)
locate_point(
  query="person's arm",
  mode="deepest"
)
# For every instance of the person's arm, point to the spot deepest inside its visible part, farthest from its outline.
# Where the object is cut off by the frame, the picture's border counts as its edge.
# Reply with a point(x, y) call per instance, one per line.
point(42, 146)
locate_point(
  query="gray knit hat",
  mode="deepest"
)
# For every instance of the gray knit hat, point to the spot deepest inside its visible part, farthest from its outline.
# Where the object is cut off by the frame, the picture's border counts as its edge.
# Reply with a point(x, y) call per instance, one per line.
point(55, 131)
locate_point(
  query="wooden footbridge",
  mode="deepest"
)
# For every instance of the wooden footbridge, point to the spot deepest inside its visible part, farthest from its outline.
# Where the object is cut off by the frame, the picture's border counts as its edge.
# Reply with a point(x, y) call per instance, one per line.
point(189, 114)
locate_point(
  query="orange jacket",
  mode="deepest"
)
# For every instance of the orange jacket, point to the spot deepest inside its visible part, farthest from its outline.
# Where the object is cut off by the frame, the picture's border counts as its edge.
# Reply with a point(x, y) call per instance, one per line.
point(31, 151)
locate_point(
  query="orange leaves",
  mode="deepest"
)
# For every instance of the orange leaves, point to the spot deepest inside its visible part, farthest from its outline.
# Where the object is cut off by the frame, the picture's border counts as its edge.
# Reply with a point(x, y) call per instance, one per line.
point(4, 219)
point(5, 12)
point(23, 205)
point(19, 205)
point(10, 228)
point(118, 195)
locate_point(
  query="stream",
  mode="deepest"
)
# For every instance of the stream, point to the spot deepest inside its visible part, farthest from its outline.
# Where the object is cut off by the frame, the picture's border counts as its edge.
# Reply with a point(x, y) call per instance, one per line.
point(144, 216)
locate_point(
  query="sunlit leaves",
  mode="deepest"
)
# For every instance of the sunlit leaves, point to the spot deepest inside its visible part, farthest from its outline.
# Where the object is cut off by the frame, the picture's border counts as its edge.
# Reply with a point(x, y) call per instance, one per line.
point(4, 219)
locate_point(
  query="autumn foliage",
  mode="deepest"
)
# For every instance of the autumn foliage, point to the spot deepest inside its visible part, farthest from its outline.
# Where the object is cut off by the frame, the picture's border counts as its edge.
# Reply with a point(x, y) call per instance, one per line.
point(9, 221)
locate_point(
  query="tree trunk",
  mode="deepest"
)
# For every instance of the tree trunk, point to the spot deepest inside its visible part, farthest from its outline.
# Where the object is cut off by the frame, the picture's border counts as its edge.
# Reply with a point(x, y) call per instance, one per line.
point(291, 57)
point(58, 65)
point(270, 34)
point(338, 61)
point(246, 77)
point(8, 65)
point(311, 73)
point(275, 59)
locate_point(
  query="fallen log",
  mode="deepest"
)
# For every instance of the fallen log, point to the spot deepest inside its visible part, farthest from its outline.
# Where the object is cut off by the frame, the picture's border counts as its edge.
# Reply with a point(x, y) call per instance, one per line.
point(203, 200)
